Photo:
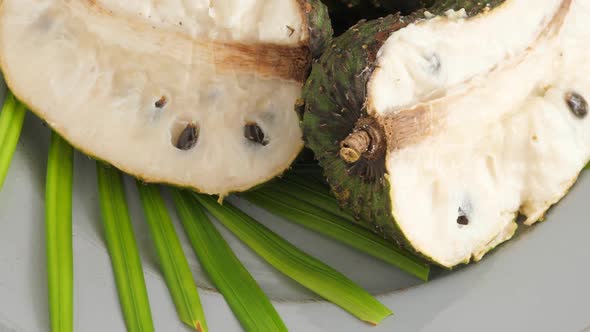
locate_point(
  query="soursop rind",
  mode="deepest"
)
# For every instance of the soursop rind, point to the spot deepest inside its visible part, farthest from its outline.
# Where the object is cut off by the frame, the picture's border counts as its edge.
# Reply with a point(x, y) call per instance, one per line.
point(346, 13)
point(320, 26)
point(335, 95)
point(393, 6)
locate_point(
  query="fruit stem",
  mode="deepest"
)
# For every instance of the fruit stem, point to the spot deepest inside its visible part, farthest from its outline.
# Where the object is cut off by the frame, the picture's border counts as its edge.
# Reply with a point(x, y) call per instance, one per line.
point(353, 147)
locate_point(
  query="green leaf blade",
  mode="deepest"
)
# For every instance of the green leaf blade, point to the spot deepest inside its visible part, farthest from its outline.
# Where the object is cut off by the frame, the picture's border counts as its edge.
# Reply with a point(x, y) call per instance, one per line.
point(58, 221)
point(313, 217)
point(173, 262)
point(123, 250)
point(12, 118)
point(248, 302)
point(308, 192)
point(288, 259)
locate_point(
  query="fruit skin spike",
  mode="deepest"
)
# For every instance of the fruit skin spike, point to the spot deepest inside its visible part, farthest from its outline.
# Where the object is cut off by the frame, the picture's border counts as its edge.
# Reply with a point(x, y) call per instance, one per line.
point(166, 91)
point(412, 128)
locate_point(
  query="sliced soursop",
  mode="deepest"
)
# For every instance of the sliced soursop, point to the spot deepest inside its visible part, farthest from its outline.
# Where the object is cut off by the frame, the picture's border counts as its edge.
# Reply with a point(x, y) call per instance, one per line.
point(438, 129)
point(199, 94)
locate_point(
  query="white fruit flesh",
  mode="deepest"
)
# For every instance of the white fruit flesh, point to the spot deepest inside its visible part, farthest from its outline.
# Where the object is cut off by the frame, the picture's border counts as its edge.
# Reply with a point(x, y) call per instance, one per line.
point(94, 71)
point(500, 139)
point(235, 20)
point(420, 61)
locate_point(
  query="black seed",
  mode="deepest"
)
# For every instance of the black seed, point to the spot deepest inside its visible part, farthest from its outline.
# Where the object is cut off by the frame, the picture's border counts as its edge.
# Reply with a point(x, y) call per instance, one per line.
point(188, 138)
point(577, 104)
point(161, 102)
point(255, 134)
point(462, 220)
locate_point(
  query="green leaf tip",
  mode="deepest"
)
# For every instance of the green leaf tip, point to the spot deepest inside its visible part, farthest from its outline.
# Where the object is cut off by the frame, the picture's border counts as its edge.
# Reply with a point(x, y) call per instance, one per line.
point(244, 296)
point(199, 327)
point(296, 264)
point(172, 260)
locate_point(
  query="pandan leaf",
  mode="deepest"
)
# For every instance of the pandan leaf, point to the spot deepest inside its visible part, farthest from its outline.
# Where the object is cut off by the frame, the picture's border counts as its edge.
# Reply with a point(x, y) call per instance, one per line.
point(294, 263)
point(173, 263)
point(123, 250)
point(333, 226)
point(250, 305)
point(11, 123)
point(58, 232)
point(308, 192)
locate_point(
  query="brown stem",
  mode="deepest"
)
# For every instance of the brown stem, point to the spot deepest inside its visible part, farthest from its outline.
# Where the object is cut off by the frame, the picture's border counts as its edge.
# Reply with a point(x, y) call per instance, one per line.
point(353, 147)
point(367, 141)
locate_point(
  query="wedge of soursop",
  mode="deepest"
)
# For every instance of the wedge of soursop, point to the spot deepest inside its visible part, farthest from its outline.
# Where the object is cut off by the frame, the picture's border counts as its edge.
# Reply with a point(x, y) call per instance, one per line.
point(439, 128)
point(198, 94)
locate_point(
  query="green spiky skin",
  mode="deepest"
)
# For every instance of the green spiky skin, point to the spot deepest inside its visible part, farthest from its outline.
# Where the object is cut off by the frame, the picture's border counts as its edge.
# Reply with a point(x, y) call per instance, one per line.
point(335, 96)
point(391, 5)
point(320, 26)
point(346, 13)
point(334, 99)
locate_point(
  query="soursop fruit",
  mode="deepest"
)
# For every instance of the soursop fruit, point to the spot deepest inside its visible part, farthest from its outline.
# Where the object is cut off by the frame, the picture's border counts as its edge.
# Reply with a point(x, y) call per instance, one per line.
point(200, 94)
point(439, 128)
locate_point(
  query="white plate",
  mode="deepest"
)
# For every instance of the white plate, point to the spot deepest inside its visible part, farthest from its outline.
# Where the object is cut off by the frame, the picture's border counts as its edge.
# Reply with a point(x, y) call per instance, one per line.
point(538, 282)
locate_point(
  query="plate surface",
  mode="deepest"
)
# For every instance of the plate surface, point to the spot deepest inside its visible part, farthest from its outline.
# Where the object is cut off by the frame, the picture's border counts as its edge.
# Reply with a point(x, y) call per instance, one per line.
point(537, 282)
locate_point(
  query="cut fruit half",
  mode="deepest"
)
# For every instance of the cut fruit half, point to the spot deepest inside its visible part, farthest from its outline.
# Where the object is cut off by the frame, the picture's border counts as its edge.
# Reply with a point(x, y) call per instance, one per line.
point(447, 124)
point(198, 94)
